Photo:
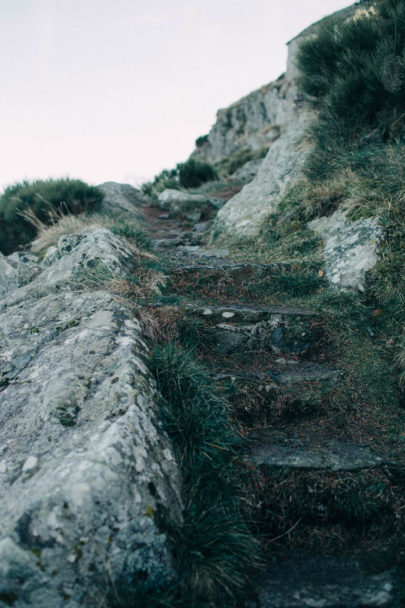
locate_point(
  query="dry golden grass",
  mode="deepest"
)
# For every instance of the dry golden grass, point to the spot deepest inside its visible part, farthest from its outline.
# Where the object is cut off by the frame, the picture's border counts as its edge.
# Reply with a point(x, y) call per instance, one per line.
point(61, 224)
point(150, 283)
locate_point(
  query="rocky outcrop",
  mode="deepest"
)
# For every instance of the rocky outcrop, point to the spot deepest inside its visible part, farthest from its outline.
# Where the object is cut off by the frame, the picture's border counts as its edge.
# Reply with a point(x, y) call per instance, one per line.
point(122, 198)
point(254, 122)
point(17, 269)
point(84, 464)
point(350, 248)
point(248, 171)
point(282, 167)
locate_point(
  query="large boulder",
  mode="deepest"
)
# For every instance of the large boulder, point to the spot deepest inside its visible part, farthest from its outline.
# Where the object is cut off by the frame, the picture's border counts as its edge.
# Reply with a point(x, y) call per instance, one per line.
point(122, 198)
point(84, 463)
point(350, 248)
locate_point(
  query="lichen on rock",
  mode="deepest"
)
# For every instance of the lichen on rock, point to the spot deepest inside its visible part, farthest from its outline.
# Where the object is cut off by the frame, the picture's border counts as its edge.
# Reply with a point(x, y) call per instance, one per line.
point(84, 463)
point(350, 248)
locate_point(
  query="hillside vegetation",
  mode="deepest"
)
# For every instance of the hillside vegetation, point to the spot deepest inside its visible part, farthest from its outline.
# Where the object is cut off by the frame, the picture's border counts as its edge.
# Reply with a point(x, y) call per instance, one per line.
point(24, 206)
point(354, 75)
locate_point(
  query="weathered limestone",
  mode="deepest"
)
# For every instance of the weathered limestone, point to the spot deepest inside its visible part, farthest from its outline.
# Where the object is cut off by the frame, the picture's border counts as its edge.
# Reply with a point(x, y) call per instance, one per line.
point(84, 464)
point(350, 248)
point(248, 171)
point(122, 198)
point(17, 269)
point(254, 122)
point(76, 256)
point(280, 170)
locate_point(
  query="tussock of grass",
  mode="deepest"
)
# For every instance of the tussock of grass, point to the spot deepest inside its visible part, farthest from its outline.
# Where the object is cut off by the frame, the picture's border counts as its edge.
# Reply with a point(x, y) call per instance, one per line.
point(354, 71)
point(65, 223)
point(61, 224)
point(213, 547)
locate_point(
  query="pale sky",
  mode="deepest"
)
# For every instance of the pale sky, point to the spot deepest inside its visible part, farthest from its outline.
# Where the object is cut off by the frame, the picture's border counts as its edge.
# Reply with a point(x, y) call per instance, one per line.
point(120, 89)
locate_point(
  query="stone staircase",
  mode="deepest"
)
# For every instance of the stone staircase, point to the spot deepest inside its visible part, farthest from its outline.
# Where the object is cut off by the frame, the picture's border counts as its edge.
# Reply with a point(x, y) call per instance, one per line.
point(316, 488)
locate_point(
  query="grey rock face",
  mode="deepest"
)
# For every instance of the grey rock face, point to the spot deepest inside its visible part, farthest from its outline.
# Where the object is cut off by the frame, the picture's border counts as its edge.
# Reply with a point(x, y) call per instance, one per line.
point(281, 168)
point(8, 276)
point(84, 464)
point(191, 207)
point(26, 266)
point(122, 198)
point(350, 248)
point(248, 171)
point(254, 122)
point(17, 269)
point(76, 255)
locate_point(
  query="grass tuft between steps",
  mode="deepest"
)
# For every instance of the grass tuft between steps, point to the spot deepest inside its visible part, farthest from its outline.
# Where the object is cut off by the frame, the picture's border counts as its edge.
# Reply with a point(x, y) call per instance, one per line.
point(213, 548)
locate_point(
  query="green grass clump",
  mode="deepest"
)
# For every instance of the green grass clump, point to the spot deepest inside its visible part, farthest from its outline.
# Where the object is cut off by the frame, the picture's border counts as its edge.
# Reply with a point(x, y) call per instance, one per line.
point(355, 71)
point(168, 178)
point(213, 547)
point(193, 173)
point(131, 231)
point(44, 200)
point(190, 174)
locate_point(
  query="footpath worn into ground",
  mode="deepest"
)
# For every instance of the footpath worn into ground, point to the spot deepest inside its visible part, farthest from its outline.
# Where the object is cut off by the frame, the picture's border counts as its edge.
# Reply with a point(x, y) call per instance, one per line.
point(324, 485)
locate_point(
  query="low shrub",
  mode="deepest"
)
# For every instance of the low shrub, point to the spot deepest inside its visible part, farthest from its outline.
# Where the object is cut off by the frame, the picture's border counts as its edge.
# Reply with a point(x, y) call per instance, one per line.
point(190, 174)
point(354, 71)
point(193, 173)
point(168, 178)
point(201, 141)
point(44, 200)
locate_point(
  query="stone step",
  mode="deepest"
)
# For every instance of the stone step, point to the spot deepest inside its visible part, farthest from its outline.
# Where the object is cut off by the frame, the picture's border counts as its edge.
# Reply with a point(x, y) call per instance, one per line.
point(287, 392)
point(283, 373)
point(322, 581)
point(279, 329)
point(195, 257)
point(294, 454)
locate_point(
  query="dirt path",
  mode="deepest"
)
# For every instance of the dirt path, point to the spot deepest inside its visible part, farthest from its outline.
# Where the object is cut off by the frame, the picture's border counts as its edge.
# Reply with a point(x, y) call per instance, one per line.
point(326, 492)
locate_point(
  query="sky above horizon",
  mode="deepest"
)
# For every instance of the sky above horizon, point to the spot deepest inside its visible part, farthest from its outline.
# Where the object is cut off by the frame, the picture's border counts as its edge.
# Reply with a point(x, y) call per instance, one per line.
point(118, 90)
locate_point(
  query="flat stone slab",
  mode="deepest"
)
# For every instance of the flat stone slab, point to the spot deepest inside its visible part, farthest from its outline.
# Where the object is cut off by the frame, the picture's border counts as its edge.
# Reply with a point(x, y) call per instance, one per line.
point(288, 374)
point(247, 314)
point(242, 328)
point(202, 252)
point(335, 456)
point(323, 582)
